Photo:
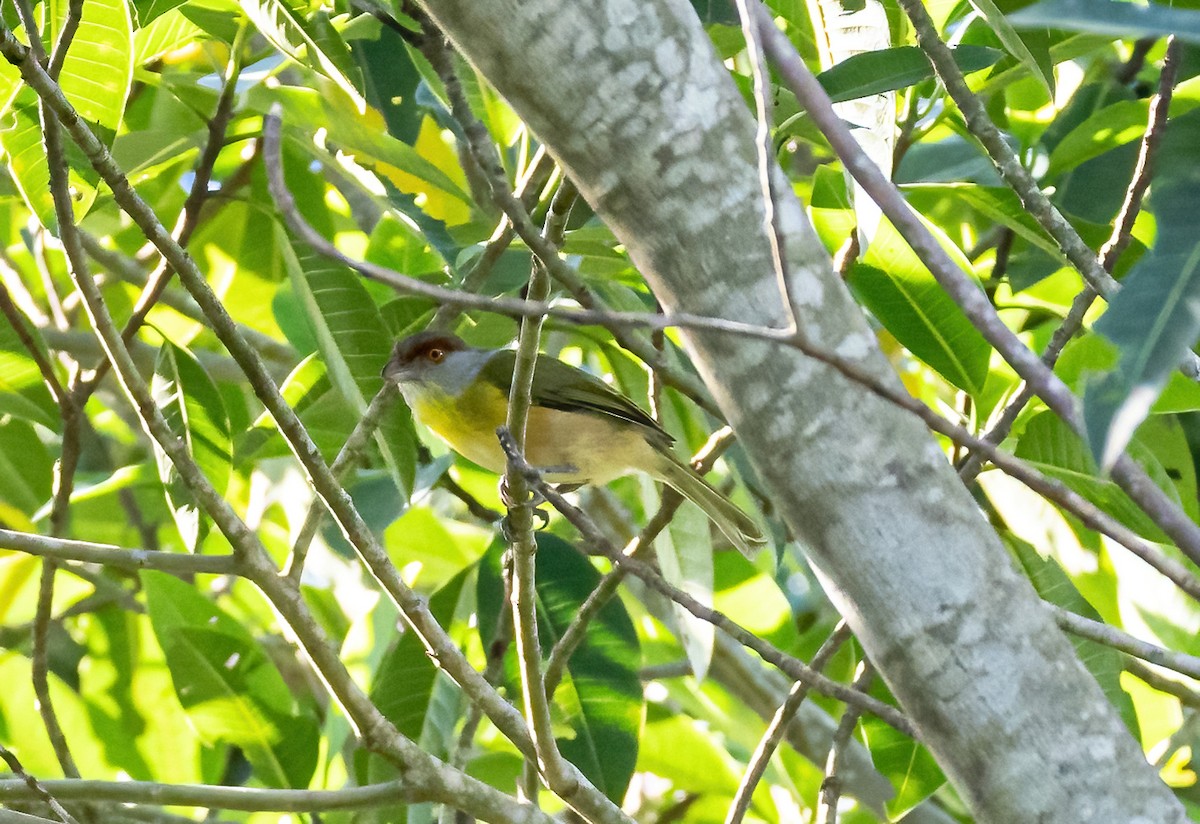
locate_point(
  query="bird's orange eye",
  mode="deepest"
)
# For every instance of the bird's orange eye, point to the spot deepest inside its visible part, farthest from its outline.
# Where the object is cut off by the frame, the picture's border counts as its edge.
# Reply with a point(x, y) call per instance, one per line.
point(436, 355)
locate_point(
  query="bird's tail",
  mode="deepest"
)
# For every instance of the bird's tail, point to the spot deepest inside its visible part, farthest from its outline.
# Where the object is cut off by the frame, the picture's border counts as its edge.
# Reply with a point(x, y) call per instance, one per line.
point(736, 525)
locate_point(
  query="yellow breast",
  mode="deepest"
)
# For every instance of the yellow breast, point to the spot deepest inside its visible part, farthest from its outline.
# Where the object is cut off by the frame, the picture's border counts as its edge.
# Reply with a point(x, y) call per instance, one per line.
point(467, 422)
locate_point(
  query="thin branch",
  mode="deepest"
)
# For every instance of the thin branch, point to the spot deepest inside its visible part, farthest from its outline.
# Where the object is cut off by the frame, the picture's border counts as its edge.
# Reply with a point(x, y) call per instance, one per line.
point(831, 787)
point(68, 458)
point(117, 557)
point(248, 799)
point(1110, 636)
point(16, 319)
point(438, 644)
point(791, 666)
point(479, 141)
point(974, 303)
point(777, 729)
point(519, 522)
point(1109, 253)
point(349, 453)
point(66, 36)
point(766, 157)
point(30, 787)
point(575, 632)
point(1139, 669)
point(189, 218)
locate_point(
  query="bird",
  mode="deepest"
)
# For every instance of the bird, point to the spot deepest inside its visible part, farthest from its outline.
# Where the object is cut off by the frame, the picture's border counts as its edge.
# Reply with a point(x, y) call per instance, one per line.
point(579, 429)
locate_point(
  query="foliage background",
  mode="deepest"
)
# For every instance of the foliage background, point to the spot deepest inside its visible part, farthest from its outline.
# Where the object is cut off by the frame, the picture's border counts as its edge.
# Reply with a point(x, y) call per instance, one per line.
point(187, 677)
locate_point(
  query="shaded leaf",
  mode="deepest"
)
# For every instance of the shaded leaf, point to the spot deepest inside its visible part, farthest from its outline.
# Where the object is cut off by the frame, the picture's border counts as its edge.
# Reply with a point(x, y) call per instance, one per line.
point(1111, 18)
point(601, 695)
point(885, 70)
point(194, 410)
point(227, 685)
point(354, 344)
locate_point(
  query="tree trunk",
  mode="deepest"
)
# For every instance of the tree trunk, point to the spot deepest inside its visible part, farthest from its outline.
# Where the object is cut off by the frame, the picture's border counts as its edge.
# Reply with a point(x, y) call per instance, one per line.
point(631, 99)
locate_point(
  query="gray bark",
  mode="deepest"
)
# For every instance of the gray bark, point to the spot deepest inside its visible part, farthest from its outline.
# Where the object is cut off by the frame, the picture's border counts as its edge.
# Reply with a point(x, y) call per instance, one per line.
point(630, 98)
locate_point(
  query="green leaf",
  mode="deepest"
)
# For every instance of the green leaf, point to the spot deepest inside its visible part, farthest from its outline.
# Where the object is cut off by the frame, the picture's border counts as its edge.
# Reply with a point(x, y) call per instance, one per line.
point(168, 32)
point(25, 467)
point(1052, 447)
point(1115, 19)
point(354, 344)
point(685, 556)
point(297, 38)
point(600, 696)
point(997, 203)
point(402, 686)
point(1032, 55)
point(397, 244)
point(150, 10)
point(227, 685)
point(23, 393)
point(194, 410)
point(98, 70)
point(1104, 663)
point(903, 295)
point(909, 765)
point(358, 134)
point(1153, 320)
point(1090, 354)
point(21, 137)
point(886, 70)
point(1115, 125)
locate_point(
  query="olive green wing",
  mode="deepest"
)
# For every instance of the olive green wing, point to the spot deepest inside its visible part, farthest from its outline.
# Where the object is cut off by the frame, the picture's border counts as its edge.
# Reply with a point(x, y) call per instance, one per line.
point(558, 385)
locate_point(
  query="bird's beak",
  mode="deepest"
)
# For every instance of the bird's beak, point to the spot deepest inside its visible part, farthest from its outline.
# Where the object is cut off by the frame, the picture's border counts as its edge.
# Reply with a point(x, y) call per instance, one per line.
point(393, 370)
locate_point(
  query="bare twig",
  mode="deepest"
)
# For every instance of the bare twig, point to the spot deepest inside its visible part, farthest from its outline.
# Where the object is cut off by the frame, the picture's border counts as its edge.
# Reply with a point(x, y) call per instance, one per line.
point(1110, 636)
point(1109, 253)
point(778, 727)
point(831, 787)
point(766, 157)
point(114, 556)
point(32, 788)
point(974, 303)
point(791, 666)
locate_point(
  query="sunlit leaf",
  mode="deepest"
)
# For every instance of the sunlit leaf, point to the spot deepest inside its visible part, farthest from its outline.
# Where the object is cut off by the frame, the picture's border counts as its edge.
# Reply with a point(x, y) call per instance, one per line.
point(99, 67)
point(288, 31)
point(1033, 56)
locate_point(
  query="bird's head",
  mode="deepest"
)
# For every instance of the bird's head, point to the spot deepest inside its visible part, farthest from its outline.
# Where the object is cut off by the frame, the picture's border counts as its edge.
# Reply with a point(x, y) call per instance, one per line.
point(427, 358)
